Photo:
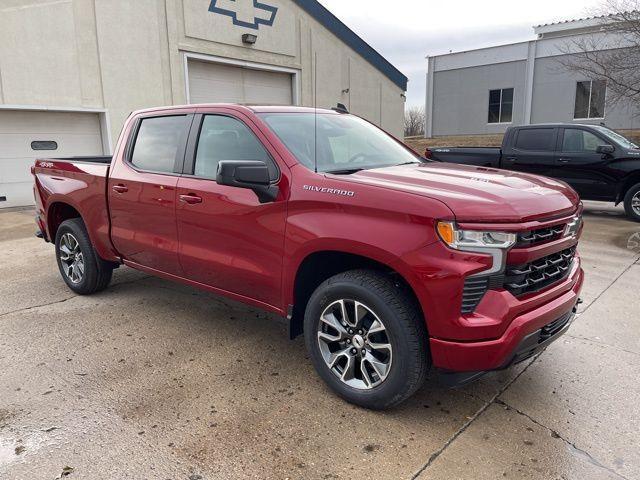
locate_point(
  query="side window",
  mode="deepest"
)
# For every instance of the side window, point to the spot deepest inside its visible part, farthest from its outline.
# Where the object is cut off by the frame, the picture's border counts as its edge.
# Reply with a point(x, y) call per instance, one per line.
point(225, 138)
point(576, 140)
point(157, 143)
point(536, 139)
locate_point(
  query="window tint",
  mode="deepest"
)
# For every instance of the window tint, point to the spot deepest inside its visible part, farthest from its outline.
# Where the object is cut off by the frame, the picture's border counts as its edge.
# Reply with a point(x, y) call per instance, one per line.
point(576, 140)
point(157, 143)
point(537, 139)
point(500, 105)
point(225, 138)
point(590, 99)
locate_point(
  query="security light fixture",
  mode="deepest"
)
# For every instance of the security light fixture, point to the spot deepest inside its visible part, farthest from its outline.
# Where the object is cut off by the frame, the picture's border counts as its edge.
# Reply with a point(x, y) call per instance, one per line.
point(249, 38)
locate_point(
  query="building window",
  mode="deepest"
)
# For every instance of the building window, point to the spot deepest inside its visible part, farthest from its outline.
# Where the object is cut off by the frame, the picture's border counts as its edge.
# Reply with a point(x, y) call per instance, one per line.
point(590, 97)
point(500, 105)
point(44, 145)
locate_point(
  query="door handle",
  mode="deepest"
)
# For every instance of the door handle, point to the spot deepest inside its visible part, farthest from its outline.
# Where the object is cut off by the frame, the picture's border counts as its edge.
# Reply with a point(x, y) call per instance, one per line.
point(120, 188)
point(564, 160)
point(511, 159)
point(190, 199)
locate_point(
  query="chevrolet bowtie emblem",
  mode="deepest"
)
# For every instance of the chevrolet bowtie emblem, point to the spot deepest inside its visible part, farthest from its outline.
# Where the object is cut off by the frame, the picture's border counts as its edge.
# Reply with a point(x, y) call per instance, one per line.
point(262, 13)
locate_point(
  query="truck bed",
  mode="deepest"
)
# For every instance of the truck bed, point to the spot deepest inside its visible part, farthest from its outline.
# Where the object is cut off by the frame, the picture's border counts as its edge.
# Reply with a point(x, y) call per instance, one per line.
point(82, 183)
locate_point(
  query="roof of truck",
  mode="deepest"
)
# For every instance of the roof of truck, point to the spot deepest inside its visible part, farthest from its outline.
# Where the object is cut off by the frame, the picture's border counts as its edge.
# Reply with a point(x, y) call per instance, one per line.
point(239, 107)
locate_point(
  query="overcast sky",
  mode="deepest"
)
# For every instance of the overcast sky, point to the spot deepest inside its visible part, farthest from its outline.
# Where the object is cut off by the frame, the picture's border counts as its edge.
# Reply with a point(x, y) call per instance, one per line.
point(405, 31)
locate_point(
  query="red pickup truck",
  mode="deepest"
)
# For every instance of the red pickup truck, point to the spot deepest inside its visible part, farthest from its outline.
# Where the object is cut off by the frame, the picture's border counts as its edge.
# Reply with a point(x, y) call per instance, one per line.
point(389, 264)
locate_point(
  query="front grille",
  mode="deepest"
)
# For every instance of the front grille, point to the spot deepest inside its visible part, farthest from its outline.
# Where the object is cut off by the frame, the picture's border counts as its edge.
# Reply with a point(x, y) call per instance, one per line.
point(533, 277)
point(554, 327)
point(534, 237)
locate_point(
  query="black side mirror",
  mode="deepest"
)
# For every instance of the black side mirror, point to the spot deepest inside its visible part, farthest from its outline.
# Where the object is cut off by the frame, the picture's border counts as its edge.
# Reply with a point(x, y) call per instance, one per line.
point(605, 149)
point(253, 175)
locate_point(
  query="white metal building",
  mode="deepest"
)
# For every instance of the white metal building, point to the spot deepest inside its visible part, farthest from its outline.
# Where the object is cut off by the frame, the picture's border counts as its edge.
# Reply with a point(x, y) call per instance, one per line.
point(484, 91)
point(72, 70)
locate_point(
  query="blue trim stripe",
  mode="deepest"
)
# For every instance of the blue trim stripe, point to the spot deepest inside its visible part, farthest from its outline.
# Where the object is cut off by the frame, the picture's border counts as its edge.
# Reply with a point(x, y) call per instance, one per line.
point(256, 21)
point(348, 36)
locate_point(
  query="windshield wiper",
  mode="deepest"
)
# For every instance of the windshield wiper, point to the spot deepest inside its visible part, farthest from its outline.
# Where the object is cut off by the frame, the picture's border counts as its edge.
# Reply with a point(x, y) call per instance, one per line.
point(346, 171)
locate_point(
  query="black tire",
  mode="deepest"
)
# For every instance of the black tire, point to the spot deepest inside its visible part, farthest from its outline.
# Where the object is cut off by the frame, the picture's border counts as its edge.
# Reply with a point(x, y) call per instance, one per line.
point(632, 213)
point(405, 330)
point(97, 272)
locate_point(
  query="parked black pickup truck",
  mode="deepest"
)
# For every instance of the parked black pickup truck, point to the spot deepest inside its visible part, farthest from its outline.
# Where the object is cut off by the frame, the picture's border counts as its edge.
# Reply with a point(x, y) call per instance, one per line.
point(597, 162)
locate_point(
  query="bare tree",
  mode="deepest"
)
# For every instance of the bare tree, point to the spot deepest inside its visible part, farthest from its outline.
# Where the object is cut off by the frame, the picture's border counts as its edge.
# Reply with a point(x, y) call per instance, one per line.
point(613, 56)
point(414, 122)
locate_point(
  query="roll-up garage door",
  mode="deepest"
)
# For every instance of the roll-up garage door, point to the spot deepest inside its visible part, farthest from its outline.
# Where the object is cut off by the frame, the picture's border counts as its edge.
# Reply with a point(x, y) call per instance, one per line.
point(27, 135)
point(218, 83)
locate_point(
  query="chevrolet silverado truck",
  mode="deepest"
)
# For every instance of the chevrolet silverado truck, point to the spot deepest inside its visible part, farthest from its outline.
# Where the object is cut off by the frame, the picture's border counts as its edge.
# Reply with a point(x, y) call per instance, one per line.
point(390, 265)
point(597, 162)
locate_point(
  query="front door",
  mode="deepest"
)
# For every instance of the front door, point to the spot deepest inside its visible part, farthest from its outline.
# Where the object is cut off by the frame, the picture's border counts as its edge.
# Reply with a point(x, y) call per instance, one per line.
point(228, 239)
point(142, 193)
point(582, 167)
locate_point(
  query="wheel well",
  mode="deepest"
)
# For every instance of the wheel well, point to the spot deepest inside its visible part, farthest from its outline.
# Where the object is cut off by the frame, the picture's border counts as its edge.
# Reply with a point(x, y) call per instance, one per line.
point(630, 182)
point(320, 266)
point(58, 213)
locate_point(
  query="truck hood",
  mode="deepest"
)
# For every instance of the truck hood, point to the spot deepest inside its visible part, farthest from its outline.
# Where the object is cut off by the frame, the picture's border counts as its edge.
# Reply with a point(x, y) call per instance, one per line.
point(478, 194)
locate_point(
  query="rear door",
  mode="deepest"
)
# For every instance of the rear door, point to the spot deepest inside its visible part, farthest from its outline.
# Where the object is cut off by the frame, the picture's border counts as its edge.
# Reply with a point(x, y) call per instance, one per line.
point(580, 166)
point(228, 239)
point(532, 150)
point(142, 192)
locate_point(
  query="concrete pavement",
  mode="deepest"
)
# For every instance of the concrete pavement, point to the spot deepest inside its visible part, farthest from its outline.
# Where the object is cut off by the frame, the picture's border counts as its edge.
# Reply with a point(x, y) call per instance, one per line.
point(151, 379)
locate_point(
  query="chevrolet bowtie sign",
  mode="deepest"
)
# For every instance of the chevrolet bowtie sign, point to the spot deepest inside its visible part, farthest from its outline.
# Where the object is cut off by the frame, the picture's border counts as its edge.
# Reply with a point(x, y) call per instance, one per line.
point(245, 13)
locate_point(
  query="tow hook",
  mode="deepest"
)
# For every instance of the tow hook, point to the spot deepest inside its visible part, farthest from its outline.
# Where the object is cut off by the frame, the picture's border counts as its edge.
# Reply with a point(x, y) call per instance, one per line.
point(579, 302)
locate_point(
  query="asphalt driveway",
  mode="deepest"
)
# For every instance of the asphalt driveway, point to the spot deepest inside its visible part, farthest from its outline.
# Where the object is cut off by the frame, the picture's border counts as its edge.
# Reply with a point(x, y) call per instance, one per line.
point(150, 379)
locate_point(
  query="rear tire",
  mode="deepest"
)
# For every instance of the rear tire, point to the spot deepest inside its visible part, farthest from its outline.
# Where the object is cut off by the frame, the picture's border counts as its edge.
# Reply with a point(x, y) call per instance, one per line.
point(379, 357)
point(81, 268)
point(632, 202)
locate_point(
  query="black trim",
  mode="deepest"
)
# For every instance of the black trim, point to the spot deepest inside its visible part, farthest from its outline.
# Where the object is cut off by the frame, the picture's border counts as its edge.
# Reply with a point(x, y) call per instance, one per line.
point(348, 36)
point(529, 346)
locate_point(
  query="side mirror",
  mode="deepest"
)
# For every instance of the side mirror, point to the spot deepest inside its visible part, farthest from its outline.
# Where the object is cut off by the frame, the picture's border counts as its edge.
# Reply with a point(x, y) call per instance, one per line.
point(252, 175)
point(605, 149)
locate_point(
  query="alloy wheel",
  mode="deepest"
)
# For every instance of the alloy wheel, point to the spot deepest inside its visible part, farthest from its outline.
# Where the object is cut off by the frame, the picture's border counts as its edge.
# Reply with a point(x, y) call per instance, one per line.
point(635, 203)
point(71, 258)
point(354, 344)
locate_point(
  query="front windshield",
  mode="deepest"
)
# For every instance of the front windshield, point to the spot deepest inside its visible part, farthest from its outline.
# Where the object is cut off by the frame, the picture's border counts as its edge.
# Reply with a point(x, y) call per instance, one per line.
point(616, 137)
point(343, 144)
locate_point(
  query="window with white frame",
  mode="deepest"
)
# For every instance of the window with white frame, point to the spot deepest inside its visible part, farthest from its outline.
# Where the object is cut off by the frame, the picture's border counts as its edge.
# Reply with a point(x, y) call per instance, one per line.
point(500, 105)
point(590, 99)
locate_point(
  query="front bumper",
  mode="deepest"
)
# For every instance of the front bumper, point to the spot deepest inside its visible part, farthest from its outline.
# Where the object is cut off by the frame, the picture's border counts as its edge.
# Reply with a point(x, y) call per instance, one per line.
point(480, 356)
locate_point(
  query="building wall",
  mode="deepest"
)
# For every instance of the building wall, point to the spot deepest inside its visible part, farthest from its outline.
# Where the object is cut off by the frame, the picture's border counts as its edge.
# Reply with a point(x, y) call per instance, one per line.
point(122, 55)
point(458, 84)
point(461, 97)
point(554, 93)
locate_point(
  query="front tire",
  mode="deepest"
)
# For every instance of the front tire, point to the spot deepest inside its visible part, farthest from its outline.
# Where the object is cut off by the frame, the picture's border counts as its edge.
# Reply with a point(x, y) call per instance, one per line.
point(367, 338)
point(632, 203)
point(81, 268)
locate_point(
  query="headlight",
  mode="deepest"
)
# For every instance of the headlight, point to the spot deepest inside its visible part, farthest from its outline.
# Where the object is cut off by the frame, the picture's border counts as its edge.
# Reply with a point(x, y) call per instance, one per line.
point(471, 240)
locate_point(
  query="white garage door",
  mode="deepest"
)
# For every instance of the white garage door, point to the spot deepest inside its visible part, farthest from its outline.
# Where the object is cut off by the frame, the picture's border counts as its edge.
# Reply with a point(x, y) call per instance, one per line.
point(217, 83)
point(25, 136)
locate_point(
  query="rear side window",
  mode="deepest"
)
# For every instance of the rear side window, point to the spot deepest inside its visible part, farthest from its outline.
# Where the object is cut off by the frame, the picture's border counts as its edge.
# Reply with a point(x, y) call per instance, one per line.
point(225, 138)
point(536, 139)
point(157, 143)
